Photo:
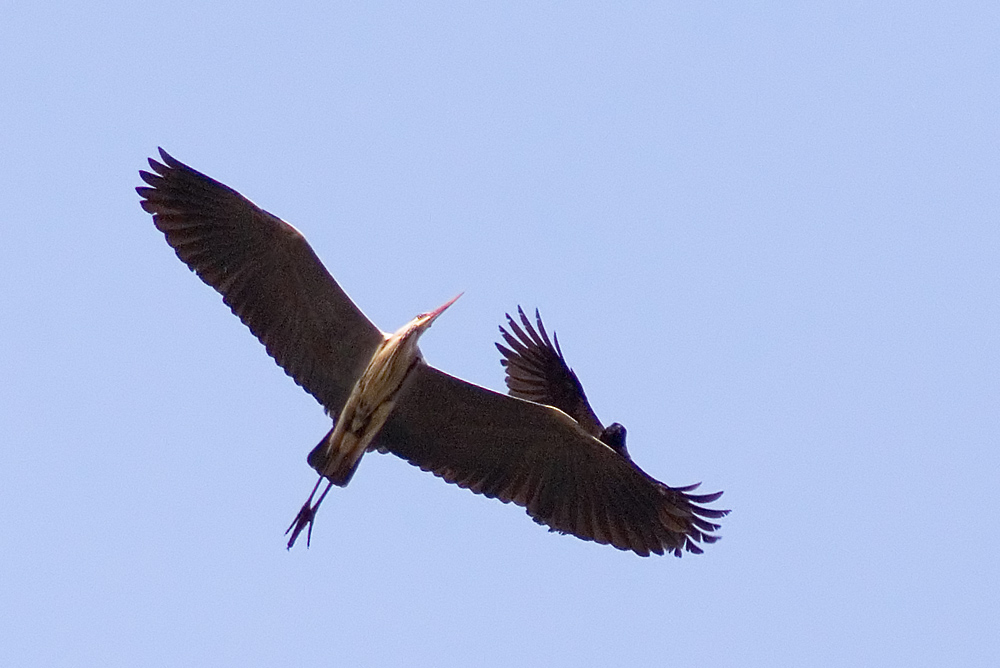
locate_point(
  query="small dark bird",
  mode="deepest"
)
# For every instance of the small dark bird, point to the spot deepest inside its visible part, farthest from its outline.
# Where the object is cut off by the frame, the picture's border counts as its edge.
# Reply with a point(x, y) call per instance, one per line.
point(538, 449)
point(537, 371)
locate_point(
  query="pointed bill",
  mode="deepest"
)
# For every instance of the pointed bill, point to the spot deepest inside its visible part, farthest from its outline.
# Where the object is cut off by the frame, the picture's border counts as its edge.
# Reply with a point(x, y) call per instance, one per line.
point(431, 316)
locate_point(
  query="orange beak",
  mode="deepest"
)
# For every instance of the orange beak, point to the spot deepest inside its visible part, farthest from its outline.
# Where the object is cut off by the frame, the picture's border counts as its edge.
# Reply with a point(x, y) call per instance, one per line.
point(431, 316)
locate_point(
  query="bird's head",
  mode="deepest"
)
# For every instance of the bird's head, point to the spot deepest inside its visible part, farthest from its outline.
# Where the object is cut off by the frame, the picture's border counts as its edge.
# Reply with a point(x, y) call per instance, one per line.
point(409, 333)
point(614, 437)
point(425, 320)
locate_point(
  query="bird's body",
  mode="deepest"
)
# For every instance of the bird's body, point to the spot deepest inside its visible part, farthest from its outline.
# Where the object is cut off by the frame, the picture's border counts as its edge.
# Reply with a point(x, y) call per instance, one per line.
point(541, 449)
point(367, 408)
point(371, 400)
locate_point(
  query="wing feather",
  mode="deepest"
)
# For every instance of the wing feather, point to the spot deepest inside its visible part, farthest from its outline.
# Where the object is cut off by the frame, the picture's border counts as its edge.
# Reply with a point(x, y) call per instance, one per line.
point(541, 459)
point(537, 371)
point(267, 274)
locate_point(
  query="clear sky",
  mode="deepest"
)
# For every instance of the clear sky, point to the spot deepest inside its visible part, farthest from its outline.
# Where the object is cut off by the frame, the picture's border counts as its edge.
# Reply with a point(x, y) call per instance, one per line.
point(766, 234)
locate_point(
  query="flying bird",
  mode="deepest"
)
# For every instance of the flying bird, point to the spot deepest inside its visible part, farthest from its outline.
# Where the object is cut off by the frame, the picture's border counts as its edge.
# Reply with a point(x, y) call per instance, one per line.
point(537, 371)
point(537, 448)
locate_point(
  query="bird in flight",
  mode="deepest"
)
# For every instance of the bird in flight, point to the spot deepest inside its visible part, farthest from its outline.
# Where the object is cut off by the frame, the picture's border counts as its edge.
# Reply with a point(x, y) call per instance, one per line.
point(541, 447)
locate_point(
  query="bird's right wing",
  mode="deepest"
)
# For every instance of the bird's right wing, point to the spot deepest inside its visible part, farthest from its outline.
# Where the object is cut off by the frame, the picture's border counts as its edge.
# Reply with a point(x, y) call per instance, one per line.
point(539, 458)
point(267, 274)
point(537, 371)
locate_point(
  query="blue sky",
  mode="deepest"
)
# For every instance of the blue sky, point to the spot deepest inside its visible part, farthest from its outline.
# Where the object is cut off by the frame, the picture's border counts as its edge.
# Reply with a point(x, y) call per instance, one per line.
point(767, 237)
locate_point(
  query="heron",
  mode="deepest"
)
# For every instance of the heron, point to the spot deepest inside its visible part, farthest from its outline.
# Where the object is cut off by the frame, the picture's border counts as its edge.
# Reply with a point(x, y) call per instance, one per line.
point(534, 447)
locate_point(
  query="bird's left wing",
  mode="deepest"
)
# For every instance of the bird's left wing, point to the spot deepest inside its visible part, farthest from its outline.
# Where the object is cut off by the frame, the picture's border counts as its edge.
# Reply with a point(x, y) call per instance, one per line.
point(537, 371)
point(538, 457)
point(267, 274)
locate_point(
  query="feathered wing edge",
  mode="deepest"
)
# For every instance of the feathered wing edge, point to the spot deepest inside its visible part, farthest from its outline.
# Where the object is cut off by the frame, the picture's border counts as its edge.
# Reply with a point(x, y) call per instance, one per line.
point(267, 274)
point(536, 370)
point(539, 458)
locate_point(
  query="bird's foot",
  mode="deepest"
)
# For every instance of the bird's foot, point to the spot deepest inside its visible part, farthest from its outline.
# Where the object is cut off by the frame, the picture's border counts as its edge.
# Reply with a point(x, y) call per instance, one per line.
point(307, 515)
point(305, 518)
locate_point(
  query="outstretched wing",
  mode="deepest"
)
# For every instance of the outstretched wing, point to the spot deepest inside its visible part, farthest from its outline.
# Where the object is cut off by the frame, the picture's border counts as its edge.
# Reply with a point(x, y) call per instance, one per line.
point(538, 457)
point(537, 371)
point(267, 274)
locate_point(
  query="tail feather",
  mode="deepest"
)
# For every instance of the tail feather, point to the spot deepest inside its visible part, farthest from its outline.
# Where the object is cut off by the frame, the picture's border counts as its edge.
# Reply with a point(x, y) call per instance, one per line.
point(338, 470)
